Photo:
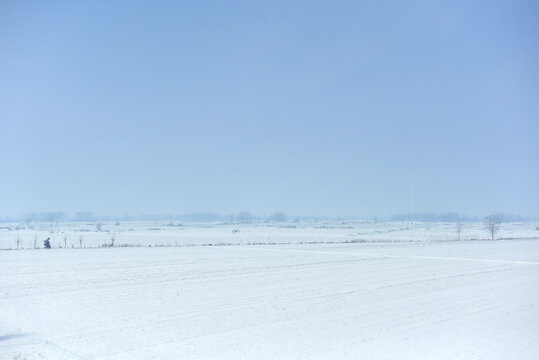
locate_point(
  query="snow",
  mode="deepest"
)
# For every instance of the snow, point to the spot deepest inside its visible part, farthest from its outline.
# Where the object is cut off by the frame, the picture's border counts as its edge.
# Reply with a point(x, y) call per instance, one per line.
point(162, 234)
point(418, 299)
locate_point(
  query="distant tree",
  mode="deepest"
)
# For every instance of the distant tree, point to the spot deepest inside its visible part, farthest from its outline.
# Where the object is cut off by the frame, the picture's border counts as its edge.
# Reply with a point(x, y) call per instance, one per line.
point(98, 226)
point(18, 242)
point(47, 243)
point(245, 217)
point(81, 238)
point(492, 222)
point(458, 228)
point(278, 217)
point(65, 241)
point(35, 241)
point(51, 217)
point(54, 216)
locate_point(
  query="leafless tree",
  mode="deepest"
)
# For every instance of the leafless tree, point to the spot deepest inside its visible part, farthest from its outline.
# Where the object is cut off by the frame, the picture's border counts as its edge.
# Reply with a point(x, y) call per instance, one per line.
point(35, 241)
point(18, 242)
point(81, 238)
point(65, 241)
point(458, 228)
point(278, 216)
point(244, 217)
point(492, 222)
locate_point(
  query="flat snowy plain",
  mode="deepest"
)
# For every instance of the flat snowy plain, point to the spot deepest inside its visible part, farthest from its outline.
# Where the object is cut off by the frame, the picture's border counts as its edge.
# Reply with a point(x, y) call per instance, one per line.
point(381, 300)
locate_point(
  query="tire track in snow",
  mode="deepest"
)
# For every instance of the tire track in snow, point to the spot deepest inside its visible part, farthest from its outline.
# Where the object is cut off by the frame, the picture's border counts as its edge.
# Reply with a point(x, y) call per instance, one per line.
point(390, 256)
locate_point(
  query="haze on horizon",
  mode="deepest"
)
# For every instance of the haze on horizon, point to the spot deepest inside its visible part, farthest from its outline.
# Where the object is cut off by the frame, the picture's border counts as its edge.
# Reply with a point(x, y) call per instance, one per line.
point(325, 108)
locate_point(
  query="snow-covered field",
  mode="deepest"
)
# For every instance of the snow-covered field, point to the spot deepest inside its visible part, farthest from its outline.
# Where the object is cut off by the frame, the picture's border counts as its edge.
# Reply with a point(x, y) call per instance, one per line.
point(77, 234)
point(392, 298)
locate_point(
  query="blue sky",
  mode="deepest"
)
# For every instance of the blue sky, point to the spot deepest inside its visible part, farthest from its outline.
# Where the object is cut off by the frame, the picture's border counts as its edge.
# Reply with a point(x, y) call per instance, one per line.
point(312, 108)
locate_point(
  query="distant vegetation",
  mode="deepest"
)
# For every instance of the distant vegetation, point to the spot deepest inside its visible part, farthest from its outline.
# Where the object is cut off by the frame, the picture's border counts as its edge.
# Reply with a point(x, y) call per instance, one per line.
point(450, 217)
point(245, 217)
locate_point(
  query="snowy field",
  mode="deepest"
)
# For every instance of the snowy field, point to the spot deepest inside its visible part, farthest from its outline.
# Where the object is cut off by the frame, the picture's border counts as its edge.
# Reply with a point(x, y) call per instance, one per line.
point(82, 234)
point(417, 298)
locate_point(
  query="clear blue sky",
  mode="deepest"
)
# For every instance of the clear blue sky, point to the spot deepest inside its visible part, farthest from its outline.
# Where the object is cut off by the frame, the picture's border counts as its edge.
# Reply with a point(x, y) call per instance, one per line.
point(312, 108)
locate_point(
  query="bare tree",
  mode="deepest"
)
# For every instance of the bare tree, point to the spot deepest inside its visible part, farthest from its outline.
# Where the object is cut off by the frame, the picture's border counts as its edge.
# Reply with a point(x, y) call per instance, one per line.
point(492, 222)
point(18, 241)
point(53, 217)
point(244, 217)
point(35, 241)
point(65, 241)
point(81, 238)
point(278, 216)
point(458, 228)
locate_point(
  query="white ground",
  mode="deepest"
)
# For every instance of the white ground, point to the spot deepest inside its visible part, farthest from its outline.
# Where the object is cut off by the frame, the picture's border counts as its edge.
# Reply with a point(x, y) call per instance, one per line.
point(408, 300)
point(159, 234)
